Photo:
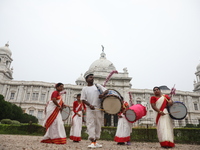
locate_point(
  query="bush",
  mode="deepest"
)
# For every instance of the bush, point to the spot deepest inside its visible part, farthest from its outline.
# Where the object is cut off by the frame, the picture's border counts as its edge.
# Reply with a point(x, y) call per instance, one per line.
point(6, 121)
point(190, 126)
point(15, 122)
point(26, 118)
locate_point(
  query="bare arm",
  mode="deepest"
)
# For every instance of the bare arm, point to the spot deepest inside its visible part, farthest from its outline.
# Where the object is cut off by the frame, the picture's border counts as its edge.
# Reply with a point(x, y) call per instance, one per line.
point(88, 104)
point(153, 105)
point(103, 94)
point(170, 102)
point(56, 103)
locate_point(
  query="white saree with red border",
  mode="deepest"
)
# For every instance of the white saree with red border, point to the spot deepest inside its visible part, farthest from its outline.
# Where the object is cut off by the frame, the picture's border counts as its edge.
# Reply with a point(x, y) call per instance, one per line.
point(55, 131)
point(75, 131)
point(164, 124)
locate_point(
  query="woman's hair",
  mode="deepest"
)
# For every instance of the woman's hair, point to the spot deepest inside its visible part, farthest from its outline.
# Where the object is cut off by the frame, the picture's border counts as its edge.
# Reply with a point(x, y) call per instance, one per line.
point(156, 87)
point(58, 84)
point(78, 95)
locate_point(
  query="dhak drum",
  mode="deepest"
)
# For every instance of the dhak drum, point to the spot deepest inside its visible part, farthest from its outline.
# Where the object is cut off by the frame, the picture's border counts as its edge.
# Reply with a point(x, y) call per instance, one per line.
point(177, 111)
point(65, 113)
point(135, 113)
point(112, 102)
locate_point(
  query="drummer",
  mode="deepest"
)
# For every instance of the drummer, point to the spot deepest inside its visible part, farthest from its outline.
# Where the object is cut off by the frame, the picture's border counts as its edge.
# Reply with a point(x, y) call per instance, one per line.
point(94, 117)
point(164, 125)
point(124, 128)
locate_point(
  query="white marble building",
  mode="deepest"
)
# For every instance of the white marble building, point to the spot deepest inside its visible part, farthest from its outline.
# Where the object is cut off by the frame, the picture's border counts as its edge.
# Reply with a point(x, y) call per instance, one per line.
point(32, 96)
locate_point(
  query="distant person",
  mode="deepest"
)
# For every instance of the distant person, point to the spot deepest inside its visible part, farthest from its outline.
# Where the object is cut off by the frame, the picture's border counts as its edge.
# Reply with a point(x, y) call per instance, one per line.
point(124, 128)
point(164, 125)
point(94, 117)
point(55, 131)
point(77, 119)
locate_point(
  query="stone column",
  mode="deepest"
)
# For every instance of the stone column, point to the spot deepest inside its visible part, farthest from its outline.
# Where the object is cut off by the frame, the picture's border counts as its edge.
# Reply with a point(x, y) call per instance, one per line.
point(19, 93)
point(4, 90)
point(7, 96)
point(39, 94)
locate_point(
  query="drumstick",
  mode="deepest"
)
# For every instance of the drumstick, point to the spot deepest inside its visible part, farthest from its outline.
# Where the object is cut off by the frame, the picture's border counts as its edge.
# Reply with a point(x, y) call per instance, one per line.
point(173, 112)
point(129, 114)
point(66, 112)
point(99, 109)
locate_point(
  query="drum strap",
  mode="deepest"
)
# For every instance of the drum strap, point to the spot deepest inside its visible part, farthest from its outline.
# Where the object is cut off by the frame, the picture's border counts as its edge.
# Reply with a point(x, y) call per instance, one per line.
point(98, 89)
point(166, 98)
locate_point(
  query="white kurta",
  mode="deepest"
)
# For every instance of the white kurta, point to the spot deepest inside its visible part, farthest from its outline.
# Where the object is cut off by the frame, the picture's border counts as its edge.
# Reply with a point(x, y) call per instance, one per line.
point(94, 118)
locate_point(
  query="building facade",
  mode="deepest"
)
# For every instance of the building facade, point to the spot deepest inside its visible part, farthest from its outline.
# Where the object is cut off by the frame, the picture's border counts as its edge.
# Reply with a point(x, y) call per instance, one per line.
point(32, 96)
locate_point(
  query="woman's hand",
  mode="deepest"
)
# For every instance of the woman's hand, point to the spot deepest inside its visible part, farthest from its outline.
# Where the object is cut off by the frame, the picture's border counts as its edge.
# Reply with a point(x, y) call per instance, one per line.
point(119, 116)
point(65, 106)
point(161, 113)
point(170, 103)
point(59, 107)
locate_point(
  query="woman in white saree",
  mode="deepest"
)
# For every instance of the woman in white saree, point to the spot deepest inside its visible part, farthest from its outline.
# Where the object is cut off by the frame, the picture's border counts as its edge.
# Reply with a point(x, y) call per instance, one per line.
point(124, 128)
point(55, 130)
point(77, 119)
point(159, 103)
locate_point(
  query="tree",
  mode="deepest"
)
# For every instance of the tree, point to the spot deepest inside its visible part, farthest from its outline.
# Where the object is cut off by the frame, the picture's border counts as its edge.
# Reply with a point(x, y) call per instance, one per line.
point(11, 111)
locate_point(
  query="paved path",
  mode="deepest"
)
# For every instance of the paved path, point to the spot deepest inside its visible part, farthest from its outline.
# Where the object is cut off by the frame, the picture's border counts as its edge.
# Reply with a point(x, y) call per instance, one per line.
point(23, 142)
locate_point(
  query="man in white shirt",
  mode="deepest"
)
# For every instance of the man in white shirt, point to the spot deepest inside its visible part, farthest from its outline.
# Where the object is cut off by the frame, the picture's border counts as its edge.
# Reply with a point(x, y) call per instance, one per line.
point(91, 95)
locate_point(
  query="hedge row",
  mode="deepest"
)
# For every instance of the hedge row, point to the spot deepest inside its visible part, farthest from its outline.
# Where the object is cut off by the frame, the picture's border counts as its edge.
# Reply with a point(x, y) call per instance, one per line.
point(181, 135)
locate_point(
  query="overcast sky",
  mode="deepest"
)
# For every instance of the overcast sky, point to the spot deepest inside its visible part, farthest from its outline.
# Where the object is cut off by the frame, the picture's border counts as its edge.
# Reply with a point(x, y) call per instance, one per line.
point(57, 40)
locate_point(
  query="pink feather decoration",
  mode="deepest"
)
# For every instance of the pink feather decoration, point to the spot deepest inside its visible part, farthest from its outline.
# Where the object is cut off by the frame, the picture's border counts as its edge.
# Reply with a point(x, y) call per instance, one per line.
point(109, 76)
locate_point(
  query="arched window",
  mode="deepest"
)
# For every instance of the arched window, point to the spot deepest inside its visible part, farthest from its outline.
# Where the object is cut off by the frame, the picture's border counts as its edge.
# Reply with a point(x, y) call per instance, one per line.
point(195, 106)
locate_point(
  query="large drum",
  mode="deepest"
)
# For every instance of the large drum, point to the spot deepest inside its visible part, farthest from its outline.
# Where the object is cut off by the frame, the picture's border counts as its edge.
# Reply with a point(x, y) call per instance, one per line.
point(177, 111)
point(65, 113)
point(112, 102)
point(135, 113)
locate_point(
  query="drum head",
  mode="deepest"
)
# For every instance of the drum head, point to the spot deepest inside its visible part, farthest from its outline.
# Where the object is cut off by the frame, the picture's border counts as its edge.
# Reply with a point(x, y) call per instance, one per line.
point(177, 111)
point(65, 113)
point(111, 105)
point(130, 115)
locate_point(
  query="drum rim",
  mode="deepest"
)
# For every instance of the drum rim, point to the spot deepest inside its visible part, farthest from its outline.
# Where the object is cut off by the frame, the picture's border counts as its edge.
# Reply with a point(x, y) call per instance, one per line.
point(68, 115)
point(128, 119)
point(113, 95)
point(112, 113)
point(168, 108)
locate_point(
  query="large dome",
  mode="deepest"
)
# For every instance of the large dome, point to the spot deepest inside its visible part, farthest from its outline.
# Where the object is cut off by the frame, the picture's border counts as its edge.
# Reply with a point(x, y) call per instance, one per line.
point(101, 65)
point(5, 50)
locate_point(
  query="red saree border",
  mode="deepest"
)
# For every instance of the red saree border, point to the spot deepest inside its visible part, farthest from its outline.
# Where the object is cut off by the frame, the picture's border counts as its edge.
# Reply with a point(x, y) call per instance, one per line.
point(74, 138)
point(164, 104)
point(122, 139)
point(53, 116)
point(55, 141)
point(167, 144)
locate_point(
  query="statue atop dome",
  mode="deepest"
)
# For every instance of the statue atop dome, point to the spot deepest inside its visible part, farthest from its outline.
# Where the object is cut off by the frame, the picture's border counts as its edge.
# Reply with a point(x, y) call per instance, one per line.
point(102, 48)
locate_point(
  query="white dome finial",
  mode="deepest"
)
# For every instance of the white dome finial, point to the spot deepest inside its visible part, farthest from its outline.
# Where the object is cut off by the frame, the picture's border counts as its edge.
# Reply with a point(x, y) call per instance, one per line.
point(7, 44)
point(103, 55)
